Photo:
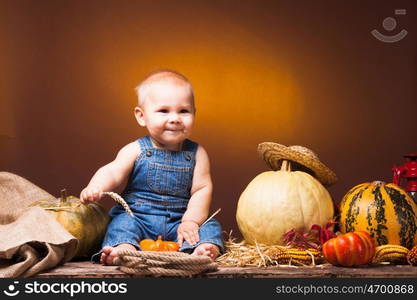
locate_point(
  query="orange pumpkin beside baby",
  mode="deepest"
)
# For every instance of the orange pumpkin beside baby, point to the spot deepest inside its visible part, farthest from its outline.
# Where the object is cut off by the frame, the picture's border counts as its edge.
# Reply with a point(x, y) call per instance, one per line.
point(158, 245)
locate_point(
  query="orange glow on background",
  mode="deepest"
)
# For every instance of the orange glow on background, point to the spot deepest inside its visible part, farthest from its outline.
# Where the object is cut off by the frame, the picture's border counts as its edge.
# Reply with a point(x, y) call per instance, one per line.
point(292, 73)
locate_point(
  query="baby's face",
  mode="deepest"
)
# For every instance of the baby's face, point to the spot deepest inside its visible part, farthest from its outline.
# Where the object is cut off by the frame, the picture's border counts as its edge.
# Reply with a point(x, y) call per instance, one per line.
point(168, 114)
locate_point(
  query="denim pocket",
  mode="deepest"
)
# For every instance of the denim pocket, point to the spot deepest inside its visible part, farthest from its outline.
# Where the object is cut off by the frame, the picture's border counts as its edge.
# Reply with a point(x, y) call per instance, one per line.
point(169, 179)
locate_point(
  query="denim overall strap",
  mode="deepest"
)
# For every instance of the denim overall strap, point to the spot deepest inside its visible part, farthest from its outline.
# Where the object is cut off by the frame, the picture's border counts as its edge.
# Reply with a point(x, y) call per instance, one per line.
point(145, 143)
point(189, 146)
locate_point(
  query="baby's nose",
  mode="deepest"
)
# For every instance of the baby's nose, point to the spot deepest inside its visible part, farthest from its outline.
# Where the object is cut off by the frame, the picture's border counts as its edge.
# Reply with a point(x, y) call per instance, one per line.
point(174, 118)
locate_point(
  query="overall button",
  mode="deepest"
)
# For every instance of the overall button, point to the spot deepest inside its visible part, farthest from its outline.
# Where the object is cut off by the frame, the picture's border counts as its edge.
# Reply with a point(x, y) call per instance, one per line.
point(149, 153)
point(187, 156)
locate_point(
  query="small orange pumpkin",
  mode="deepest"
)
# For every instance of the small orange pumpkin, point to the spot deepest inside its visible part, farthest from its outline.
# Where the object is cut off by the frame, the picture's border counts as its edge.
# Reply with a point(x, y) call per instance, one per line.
point(158, 245)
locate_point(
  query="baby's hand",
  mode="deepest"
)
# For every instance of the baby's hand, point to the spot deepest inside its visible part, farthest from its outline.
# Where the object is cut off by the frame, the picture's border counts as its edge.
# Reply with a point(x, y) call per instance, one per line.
point(90, 194)
point(188, 231)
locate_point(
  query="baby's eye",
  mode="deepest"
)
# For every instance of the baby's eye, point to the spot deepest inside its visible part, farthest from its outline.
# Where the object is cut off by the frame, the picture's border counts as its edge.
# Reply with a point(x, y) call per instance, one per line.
point(163, 111)
point(184, 111)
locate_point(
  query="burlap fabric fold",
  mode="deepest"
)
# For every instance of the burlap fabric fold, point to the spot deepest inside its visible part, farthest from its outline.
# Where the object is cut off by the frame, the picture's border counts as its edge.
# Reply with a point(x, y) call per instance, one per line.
point(31, 240)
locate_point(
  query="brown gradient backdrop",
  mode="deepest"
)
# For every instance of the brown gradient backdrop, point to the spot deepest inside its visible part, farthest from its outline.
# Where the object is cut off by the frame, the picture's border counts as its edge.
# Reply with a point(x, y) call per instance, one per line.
point(293, 72)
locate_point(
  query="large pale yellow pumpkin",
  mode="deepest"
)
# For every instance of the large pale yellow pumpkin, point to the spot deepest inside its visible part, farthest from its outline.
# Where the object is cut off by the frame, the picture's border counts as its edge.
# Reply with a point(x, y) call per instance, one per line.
point(277, 201)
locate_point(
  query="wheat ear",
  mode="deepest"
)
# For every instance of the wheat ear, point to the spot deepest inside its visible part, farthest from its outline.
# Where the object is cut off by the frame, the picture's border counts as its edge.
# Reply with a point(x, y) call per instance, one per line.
point(116, 197)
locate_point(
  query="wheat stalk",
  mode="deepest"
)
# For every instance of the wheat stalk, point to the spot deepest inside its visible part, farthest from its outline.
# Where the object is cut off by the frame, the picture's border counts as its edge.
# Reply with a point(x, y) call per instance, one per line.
point(116, 197)
point(212, 216)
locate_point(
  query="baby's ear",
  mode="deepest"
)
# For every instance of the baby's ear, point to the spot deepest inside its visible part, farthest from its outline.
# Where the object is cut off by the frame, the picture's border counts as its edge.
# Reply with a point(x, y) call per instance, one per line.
point(140, 116)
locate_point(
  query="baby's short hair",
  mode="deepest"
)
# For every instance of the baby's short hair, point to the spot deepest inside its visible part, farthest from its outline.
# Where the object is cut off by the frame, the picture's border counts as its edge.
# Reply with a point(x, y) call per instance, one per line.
point(162, 76)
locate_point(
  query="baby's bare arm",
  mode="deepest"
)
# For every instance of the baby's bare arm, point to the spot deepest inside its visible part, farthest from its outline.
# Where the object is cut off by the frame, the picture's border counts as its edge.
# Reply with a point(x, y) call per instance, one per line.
point(201, 190)
point(113, 175)
point(199, 204)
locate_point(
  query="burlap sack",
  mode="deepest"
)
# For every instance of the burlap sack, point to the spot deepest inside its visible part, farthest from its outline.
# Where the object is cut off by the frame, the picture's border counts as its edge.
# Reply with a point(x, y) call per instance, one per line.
point(31, 240)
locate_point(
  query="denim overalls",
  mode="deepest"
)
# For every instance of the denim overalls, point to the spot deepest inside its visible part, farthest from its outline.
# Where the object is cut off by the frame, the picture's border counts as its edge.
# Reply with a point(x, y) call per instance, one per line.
point(158, 192)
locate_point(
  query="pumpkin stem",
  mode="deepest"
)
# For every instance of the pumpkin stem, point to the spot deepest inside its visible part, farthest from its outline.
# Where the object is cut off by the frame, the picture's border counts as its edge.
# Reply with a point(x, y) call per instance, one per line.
point(64, 195)
point(285, 166)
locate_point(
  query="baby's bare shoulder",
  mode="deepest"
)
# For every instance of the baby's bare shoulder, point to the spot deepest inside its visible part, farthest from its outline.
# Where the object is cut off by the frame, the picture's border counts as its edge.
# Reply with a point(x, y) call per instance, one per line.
point(131, 150)
point(125, 158)
point(201, 176)
point(201, 156)
point(201, 151)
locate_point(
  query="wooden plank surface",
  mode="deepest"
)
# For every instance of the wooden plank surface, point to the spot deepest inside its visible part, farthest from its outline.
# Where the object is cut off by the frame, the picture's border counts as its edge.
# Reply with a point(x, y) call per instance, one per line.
point(89, 270)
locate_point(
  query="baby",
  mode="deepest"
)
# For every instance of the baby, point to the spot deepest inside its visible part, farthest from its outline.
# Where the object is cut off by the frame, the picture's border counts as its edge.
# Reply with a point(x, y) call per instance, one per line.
point(165, 176)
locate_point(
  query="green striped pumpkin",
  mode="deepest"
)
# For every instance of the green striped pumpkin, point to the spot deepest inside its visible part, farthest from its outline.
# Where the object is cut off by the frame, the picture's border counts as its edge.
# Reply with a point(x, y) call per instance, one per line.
point(86, 222)
point(386, 211)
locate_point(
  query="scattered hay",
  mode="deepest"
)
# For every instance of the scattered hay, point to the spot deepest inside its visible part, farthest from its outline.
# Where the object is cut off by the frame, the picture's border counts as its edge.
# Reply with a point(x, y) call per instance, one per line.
point(240, 254)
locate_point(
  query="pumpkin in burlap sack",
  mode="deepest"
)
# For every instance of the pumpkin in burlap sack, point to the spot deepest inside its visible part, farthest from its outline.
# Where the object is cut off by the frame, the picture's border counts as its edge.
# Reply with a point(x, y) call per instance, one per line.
point(86, 222)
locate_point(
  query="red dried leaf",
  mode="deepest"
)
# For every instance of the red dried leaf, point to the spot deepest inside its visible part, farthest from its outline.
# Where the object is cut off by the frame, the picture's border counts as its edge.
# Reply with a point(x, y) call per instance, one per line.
point(314, 238)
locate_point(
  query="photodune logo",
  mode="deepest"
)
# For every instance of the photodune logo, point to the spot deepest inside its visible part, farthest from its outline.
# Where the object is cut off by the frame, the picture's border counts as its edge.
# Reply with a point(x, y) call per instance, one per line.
point(11, 290)
point(390, 24)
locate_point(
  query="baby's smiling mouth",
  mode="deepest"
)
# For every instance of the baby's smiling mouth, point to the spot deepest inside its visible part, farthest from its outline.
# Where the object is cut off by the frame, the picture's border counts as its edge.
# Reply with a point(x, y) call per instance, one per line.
point(173, 130)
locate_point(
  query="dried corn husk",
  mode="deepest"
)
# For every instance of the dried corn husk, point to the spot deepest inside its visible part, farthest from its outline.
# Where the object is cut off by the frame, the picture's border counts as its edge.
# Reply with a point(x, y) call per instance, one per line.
point(390, 254)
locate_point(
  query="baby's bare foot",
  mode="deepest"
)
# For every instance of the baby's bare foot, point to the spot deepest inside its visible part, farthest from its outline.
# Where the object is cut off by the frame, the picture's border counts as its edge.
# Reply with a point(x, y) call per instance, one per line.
point(207, 249)
point(110, 253)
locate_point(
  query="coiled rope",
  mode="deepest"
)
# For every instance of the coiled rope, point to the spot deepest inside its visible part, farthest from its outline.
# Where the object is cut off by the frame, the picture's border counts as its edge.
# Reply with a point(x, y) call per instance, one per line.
point(163, 263)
